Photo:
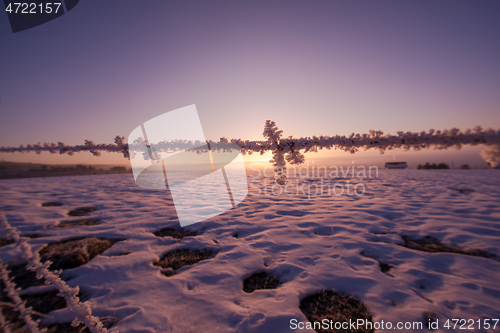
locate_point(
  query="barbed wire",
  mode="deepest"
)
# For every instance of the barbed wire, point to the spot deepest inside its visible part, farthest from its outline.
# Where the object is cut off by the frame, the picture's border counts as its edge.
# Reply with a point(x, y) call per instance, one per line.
point(284, 149)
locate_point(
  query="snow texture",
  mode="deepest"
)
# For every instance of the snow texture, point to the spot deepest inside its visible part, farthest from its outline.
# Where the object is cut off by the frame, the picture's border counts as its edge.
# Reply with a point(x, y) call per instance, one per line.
point(311, 243)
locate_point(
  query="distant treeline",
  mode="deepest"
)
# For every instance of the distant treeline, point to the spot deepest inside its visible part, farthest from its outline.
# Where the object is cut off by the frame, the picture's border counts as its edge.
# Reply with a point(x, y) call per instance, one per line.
point(79, 167)
point(9, 170)
point(428, 166)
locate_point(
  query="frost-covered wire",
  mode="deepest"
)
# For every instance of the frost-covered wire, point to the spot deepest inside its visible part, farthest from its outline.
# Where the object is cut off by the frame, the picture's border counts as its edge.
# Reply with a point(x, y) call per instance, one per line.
point(290, 147)
point(284, 150)
point(119, 147)
point(372, 140)
point(20, 304)
point(83, 312)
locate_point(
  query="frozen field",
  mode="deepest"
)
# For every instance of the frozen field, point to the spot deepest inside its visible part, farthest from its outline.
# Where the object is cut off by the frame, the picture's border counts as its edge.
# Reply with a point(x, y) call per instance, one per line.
point(310, 242)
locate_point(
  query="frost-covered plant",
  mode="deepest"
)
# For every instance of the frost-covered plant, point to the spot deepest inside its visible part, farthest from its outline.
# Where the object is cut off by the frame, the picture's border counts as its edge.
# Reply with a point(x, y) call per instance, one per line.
point(83, 312)
point(273, 136)
point(20, 304)
point(3, 323)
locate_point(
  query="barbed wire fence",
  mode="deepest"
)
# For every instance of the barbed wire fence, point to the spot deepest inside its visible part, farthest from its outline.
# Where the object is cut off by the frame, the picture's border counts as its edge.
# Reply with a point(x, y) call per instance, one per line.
point(288, 149)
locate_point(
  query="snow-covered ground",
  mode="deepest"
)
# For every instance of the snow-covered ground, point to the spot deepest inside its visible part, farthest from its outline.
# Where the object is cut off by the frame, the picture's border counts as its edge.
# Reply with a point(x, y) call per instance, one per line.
point(311, 242)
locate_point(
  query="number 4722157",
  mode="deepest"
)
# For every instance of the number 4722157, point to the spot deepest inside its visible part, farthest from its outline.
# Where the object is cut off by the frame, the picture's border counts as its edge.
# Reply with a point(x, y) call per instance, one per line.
point(33, 8)
point(471, 324)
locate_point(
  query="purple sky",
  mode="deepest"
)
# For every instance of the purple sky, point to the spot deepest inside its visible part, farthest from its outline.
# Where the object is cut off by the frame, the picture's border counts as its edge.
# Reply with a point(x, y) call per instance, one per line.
point(315, 67)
